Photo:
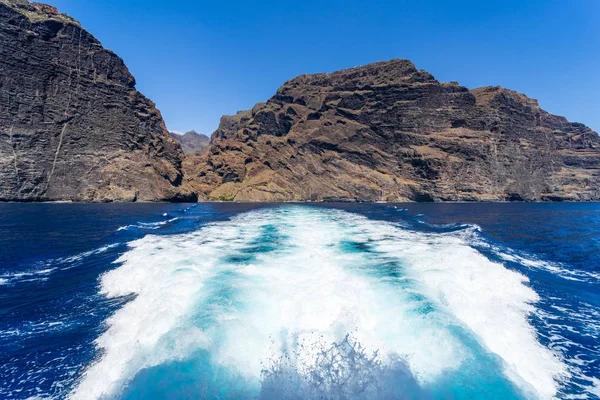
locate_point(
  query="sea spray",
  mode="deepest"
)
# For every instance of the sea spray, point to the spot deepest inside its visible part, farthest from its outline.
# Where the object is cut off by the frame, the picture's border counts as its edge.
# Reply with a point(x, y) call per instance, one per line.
point(438, 314)
point(344, 370)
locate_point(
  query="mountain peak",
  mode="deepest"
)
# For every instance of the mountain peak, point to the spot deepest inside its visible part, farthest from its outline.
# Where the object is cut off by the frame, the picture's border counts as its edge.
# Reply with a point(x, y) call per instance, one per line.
point(191, 141)
point(38, 12)
point(389, 131)
point(395, 71)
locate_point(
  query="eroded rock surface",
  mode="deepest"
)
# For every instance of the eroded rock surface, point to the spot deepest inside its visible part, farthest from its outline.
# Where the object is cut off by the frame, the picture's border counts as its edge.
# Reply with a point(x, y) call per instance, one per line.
point(72, 124)
point(389, 131)
point(191, 141)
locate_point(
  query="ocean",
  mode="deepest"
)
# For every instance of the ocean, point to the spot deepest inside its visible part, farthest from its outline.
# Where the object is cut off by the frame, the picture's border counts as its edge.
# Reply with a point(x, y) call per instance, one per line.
point(300, 301)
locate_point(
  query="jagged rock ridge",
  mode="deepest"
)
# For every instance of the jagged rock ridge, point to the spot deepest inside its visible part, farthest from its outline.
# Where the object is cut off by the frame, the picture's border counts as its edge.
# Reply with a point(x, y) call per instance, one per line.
point(72, 124)
point(191, 141)
point(388, 131)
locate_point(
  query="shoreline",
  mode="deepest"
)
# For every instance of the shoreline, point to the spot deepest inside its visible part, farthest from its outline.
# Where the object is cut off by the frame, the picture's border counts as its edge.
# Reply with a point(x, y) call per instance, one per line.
point(298, 202)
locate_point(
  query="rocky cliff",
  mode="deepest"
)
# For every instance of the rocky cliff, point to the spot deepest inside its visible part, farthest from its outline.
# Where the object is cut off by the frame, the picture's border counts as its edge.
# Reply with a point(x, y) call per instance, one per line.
point(389, 131)
point(72, 124)
point(191, 141)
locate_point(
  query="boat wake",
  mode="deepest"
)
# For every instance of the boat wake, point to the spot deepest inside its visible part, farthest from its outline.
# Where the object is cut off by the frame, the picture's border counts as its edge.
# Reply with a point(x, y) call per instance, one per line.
point(300, 302)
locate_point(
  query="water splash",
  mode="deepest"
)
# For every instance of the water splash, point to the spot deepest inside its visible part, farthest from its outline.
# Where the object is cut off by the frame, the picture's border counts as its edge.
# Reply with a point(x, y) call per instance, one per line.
point(344, 370)
point(440, 318)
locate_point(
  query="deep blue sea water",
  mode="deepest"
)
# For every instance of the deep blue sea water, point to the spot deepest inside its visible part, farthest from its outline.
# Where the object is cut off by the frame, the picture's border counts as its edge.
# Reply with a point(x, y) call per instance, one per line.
point(331, 301)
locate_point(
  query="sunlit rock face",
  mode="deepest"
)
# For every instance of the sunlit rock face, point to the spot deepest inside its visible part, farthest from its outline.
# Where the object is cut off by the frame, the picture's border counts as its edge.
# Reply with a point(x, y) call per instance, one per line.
point(389, 131)
point(72, 124)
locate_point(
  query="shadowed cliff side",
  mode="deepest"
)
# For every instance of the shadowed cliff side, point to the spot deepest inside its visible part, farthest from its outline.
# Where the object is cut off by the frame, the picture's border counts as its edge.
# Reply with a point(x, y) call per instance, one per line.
point(72, 124)
point(388, 131)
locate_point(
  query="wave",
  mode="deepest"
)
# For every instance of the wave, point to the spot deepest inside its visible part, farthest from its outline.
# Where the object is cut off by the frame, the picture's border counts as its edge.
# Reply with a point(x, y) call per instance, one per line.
point(41, 270)
point(270, 283)
point(33, 328)
point(557, 269)
point(472, 234)
point(40, 274)
point(147, 225)
point(560, 316)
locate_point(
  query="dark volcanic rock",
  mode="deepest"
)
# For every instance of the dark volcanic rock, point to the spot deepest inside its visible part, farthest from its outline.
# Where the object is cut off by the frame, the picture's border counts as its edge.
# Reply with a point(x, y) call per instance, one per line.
point(72, 125)
point(388, 131)
point(191, 141)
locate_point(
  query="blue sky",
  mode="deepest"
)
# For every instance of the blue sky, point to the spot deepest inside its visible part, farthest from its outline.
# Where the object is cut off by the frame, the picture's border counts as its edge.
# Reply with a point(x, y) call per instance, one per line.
point(199, 60)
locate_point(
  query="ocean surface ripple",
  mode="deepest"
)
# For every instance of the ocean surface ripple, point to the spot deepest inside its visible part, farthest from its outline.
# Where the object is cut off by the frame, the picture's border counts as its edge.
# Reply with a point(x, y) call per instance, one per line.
point(302, 302)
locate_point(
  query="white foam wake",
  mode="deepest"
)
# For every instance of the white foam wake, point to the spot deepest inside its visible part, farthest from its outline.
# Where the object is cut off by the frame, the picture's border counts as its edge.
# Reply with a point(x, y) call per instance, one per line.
point(279, 279)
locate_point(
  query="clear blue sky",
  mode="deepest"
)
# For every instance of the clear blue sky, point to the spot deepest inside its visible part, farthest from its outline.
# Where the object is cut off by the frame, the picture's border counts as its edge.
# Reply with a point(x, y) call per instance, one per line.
point(199, 60)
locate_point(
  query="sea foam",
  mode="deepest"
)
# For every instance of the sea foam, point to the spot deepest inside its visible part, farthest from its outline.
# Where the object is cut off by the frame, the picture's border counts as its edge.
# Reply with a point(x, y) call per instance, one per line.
point(290, 280)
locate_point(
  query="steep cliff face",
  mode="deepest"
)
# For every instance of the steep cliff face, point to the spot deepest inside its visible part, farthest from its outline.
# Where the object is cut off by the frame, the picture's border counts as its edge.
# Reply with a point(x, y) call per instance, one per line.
point(72, 124)
point(388, 131)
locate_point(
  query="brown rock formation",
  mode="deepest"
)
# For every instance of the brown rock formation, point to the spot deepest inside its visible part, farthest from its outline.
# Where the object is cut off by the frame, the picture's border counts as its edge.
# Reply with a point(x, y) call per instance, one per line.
point(388, 131)
point(191, 141)
point(72, 124)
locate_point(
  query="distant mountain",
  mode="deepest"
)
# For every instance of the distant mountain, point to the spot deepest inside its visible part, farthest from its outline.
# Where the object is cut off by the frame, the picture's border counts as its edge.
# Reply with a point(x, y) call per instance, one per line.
point(191, 141)
point(72, 124)
point(389, 131)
